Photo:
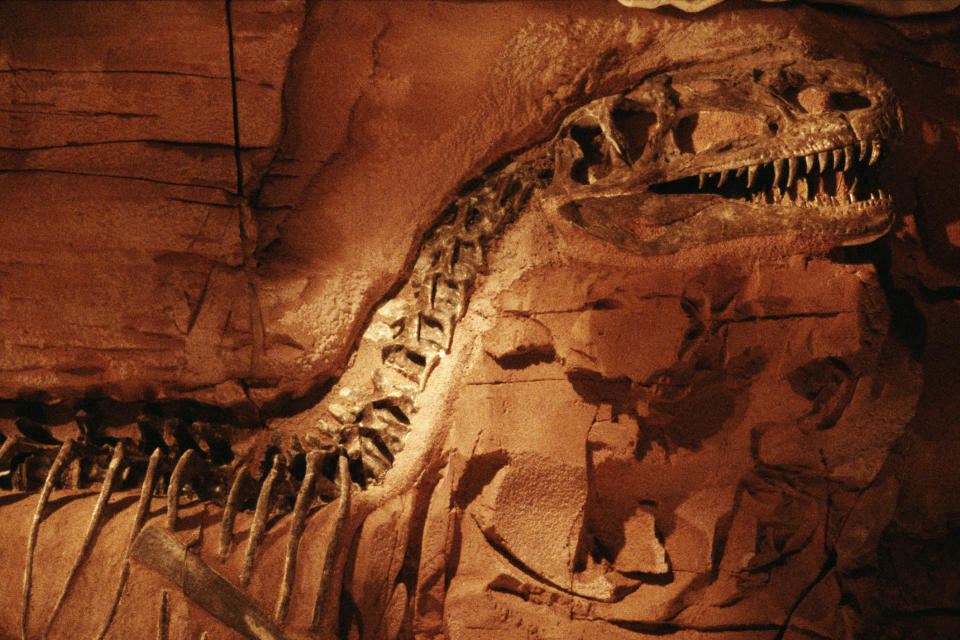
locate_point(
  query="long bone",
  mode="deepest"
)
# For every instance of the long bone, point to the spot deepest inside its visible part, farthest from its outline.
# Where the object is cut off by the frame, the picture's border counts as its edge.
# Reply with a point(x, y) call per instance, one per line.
point(64, 455)
point(143, 507)
point(169, 557)
point(230, 513)
point(177, 478)
point(297, 525)
point(105, 490)
point(259, 526)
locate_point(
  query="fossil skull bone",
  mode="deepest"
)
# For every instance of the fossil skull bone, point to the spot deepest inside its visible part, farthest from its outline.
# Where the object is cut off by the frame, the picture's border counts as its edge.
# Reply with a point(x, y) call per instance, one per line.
point(709, 154)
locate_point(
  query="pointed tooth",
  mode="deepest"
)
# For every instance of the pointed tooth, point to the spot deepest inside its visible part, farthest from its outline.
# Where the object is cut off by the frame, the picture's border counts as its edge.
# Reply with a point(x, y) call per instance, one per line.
point(723, 177)
point(824, 158)
point(778, 166)
point(741, 171)
point(837, 157)
point(751, 176)
point(864, 145)
point(852, 199)
point(808, 161)
point(703, 179)
point(882, 194)
point(791, 171)
point(848, 152)
point(875, 154)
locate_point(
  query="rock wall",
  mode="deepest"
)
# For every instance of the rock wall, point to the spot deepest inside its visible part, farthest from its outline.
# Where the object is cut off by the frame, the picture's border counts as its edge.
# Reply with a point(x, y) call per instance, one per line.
point(204, 203)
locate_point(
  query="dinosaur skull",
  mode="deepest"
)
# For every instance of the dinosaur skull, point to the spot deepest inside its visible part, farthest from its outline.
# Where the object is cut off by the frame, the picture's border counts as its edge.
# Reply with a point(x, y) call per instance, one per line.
point(694, 156)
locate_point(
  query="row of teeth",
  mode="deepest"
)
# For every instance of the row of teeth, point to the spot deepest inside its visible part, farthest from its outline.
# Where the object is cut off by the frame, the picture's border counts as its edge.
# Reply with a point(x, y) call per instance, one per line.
point(840, 158)
point(776, 196)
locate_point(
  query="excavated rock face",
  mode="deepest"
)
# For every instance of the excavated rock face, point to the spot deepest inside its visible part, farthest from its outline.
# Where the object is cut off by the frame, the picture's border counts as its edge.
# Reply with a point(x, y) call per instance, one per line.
point(575, 324)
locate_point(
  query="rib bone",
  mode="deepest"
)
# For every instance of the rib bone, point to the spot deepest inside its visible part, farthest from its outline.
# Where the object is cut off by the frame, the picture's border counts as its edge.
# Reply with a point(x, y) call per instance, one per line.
point(176, 482)
point(297, 525)
point(259, 526)
point(333, 548)
point(105, 490)
point(230, 513)
point(167, 556)
point(143, 507)
point(63, 455)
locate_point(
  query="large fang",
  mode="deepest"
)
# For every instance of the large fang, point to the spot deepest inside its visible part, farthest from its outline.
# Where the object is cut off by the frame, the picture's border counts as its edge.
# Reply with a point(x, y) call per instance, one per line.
point(777, 170)
point(808, 160)
point(837, 156)
point(864, 145)
point(848, 152)
point(792, 170)
point(875, 155)
point(824, 158)
point(751, 176)
point(723, 177)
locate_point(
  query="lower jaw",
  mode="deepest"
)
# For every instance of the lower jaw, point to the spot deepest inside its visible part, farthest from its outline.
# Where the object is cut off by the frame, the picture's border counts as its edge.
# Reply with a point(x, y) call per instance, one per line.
point(701, 220)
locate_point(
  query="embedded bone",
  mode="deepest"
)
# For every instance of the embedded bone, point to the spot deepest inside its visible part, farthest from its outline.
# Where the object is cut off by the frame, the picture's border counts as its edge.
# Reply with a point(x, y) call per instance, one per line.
point(176, 484)
point(63, 455)
point(258, 528)
point(143, 508)
point(297, 525)
point(848, 157)
point(875, 154)
point(166, 555)
point(325, 597)
point(105, 490)
point(230, 513)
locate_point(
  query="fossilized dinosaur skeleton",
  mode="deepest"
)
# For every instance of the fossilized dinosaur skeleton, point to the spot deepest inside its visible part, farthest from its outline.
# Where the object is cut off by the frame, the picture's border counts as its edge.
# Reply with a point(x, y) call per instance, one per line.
point(682, 159)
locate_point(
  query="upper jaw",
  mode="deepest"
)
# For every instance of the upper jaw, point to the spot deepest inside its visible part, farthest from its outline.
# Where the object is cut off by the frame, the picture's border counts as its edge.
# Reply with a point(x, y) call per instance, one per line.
point(825, 174)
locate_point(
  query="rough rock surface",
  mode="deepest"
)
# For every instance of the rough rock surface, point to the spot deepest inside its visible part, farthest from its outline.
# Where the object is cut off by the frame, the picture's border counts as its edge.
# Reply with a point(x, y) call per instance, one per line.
point(734, 441)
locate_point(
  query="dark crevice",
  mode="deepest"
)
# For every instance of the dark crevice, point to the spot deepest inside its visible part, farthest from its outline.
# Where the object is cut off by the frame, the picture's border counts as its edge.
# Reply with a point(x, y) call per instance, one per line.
point(233, 94)
point(88, 174)
point(825, 570)
point(656, 628)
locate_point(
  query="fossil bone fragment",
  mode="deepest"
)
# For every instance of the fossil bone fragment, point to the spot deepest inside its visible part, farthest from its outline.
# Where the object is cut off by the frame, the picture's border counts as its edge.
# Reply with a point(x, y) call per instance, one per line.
point(105, 490)
point(230, 513)
point(297, 525)
point(166, 555)
point(265, 502)
point(143, 507)
point(63, 456)
point(176, 484)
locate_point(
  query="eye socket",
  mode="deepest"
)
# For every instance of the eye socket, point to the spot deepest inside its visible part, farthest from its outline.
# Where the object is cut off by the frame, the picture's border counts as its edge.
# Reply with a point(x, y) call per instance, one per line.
point(814, 99)
point(849, 101)
point(636, 127)
point(700, 131)
point(590, 141)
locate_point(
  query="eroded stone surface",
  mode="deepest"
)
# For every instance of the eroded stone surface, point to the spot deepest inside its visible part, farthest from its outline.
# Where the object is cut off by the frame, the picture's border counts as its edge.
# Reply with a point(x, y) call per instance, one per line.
point(737, 440)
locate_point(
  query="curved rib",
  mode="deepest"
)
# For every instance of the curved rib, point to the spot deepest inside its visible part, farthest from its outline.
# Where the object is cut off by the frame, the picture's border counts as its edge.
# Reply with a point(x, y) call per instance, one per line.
point(297, 525)
point(333, 548)
point(173, 491)
point(105, 490)
point(259, 526)
point(64, 454)
point(230, 513)
point(143, 507)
